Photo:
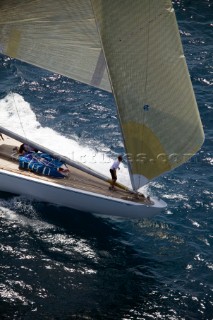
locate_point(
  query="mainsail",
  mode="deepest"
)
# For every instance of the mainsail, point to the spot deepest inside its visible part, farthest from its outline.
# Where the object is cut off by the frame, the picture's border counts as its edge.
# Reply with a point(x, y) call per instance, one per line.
point(138, 44)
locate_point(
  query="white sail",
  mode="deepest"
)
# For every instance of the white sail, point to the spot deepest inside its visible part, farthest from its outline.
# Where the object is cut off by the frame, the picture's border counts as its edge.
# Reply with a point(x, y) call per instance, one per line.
point(140, 42)
point(156, 104)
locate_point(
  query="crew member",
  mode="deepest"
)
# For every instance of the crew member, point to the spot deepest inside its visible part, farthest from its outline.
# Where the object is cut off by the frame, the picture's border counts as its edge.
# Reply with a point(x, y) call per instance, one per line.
point(113, 170)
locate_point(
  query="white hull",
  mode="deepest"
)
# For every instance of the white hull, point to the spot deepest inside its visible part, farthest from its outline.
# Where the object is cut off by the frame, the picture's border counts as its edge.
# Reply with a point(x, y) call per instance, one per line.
point(51, 192)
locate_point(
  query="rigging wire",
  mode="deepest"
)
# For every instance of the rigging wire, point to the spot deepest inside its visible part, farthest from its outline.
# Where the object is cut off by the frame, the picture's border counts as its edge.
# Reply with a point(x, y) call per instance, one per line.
point(145, 107)
point(19, 116)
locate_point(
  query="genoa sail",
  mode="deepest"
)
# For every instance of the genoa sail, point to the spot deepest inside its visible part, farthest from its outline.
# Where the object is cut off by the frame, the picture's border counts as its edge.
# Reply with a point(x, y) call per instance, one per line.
point(134, 47)
point(156, 104)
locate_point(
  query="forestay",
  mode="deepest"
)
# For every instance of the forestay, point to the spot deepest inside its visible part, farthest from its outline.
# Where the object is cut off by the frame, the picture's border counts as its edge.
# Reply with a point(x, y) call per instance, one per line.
point(141, 45)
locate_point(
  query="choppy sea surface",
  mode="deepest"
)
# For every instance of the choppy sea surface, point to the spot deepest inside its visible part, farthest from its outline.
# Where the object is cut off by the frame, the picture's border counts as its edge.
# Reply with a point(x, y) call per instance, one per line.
point(57, 263)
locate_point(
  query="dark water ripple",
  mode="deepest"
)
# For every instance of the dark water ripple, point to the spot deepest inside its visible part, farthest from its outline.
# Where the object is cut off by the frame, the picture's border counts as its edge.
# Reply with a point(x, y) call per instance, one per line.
point(58, 263)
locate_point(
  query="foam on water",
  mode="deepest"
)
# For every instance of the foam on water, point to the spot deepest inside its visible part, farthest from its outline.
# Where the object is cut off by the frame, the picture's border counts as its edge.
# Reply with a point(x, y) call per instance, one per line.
point(17, 116)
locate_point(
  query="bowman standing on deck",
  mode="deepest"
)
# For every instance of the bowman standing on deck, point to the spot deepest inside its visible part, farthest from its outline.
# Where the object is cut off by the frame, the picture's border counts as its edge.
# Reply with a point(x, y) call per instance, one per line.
point(112, 170)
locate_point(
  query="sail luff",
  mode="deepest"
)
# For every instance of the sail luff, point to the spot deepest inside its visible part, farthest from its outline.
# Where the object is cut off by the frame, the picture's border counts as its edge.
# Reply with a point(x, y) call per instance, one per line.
point(114, 95)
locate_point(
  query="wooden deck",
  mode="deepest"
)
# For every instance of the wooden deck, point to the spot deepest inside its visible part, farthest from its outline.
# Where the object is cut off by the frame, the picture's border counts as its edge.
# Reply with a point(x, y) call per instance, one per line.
point(76, 179)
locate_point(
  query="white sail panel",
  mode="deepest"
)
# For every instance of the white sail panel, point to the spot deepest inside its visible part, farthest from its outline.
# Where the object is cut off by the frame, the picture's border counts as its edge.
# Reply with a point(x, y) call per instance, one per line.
point(158, 112)
point(60, 36)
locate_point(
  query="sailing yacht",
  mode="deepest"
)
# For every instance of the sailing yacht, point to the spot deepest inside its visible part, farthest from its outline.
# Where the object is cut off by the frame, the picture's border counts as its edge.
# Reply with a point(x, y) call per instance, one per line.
point(130, 48)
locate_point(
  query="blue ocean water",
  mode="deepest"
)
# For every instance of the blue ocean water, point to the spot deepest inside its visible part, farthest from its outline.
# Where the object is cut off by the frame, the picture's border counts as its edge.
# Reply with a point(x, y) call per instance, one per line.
point(57, 263)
